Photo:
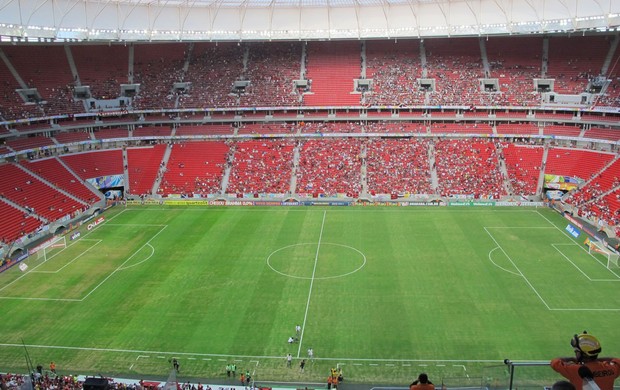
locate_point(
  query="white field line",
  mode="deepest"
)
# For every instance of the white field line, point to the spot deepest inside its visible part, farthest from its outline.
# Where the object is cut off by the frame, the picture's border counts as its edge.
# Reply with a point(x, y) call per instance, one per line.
point(120, 267)
point(490, 255)
point(316, 260)
point(576, 266)
point(528, 282)
point(71, 262)
point(555, 246)
point(305, 208)
point(573, 240)
point(140, 262)
point(255, 367)
point(225, 357)
point(38, 265)
point(135, 224)
point(518, 270)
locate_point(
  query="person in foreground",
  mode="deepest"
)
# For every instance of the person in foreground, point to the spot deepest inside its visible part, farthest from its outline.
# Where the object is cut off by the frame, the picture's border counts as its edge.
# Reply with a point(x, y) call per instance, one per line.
point(422, 383)
point(586, 370)
point(563, 385)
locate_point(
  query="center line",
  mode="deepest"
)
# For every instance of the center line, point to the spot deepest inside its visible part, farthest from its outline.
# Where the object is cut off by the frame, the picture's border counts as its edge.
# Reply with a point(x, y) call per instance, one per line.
point(316, 259)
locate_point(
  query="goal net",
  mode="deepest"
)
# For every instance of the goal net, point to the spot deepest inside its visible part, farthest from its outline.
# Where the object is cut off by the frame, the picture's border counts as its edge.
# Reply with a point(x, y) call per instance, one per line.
point(601, 248)
point(52, 248)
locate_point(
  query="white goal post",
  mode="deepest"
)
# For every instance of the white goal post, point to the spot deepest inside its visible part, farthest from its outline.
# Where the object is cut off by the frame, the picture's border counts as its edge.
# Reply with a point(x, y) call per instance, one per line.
point(54, 245)
point(599, 247)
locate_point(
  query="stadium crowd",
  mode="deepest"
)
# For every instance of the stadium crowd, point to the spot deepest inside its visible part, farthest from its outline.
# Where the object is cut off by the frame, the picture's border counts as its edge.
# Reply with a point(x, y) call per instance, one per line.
point(261, 167)
point(49, 381)
point(468, 167)
point(205, 75)
point(329, 167)
point(398, 167)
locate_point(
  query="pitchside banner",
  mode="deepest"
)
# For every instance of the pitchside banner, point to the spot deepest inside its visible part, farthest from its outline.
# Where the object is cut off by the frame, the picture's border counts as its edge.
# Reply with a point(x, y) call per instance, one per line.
point(107, 181)
point(8, 264)
point(564, 183)
point(573, 231)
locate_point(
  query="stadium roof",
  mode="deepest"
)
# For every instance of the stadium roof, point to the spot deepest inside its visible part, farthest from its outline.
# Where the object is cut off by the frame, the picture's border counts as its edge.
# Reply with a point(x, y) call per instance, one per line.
point(235, 20)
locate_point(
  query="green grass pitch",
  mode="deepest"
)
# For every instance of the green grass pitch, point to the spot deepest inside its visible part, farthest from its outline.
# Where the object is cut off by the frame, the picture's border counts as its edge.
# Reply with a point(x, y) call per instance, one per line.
point(384, 293)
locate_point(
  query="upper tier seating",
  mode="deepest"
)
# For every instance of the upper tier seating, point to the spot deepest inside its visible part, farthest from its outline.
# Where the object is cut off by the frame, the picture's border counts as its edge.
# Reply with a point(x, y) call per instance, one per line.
point(271, 69)
point(102, 67)
point(12, 105)
point(332, 67)
point(394, 68)
point(261, 166)
point(195, 168)
point(516, 62)
point(468, 167)
point(213, 68)
point(611, 97)
point(398, 166)
point(456, 66)
point(143, 166)
point(329, 167)
point(571, 71)
point(46, 68)
point(156, 68)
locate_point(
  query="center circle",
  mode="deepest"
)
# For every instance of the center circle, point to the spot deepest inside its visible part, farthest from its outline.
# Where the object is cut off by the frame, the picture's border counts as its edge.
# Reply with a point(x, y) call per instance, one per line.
point(298, 261)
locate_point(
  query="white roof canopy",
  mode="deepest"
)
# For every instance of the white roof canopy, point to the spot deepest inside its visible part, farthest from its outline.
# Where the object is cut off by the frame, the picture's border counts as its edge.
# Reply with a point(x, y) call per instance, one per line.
point(234, 20)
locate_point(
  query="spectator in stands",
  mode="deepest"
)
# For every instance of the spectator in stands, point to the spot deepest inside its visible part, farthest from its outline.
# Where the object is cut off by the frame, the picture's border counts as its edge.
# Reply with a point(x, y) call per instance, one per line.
point(422, 383)
point(587, 348)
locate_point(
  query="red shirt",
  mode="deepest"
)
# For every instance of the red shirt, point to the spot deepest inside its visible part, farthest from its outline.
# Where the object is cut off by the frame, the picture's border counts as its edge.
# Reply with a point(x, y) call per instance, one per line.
point(422, 386)
point(605, 372)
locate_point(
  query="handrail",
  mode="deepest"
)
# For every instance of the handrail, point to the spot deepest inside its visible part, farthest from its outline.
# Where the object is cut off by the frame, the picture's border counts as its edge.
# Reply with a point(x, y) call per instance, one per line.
point(512, 366)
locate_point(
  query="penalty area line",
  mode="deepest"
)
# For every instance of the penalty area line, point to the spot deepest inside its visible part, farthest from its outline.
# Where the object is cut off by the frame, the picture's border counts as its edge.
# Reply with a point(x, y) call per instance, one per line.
point(158, 354)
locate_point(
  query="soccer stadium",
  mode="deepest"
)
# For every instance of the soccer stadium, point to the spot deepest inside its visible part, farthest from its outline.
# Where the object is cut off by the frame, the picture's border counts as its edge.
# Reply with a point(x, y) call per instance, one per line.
point(309, 194)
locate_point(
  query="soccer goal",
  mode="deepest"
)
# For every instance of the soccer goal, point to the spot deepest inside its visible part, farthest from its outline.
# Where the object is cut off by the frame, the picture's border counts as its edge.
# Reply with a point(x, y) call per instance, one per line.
point(599, 247)
point(51, 248)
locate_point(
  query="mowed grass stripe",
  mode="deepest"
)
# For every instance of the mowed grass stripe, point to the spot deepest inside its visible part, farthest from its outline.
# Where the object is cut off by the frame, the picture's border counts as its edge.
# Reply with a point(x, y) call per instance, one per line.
point(428, 290)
